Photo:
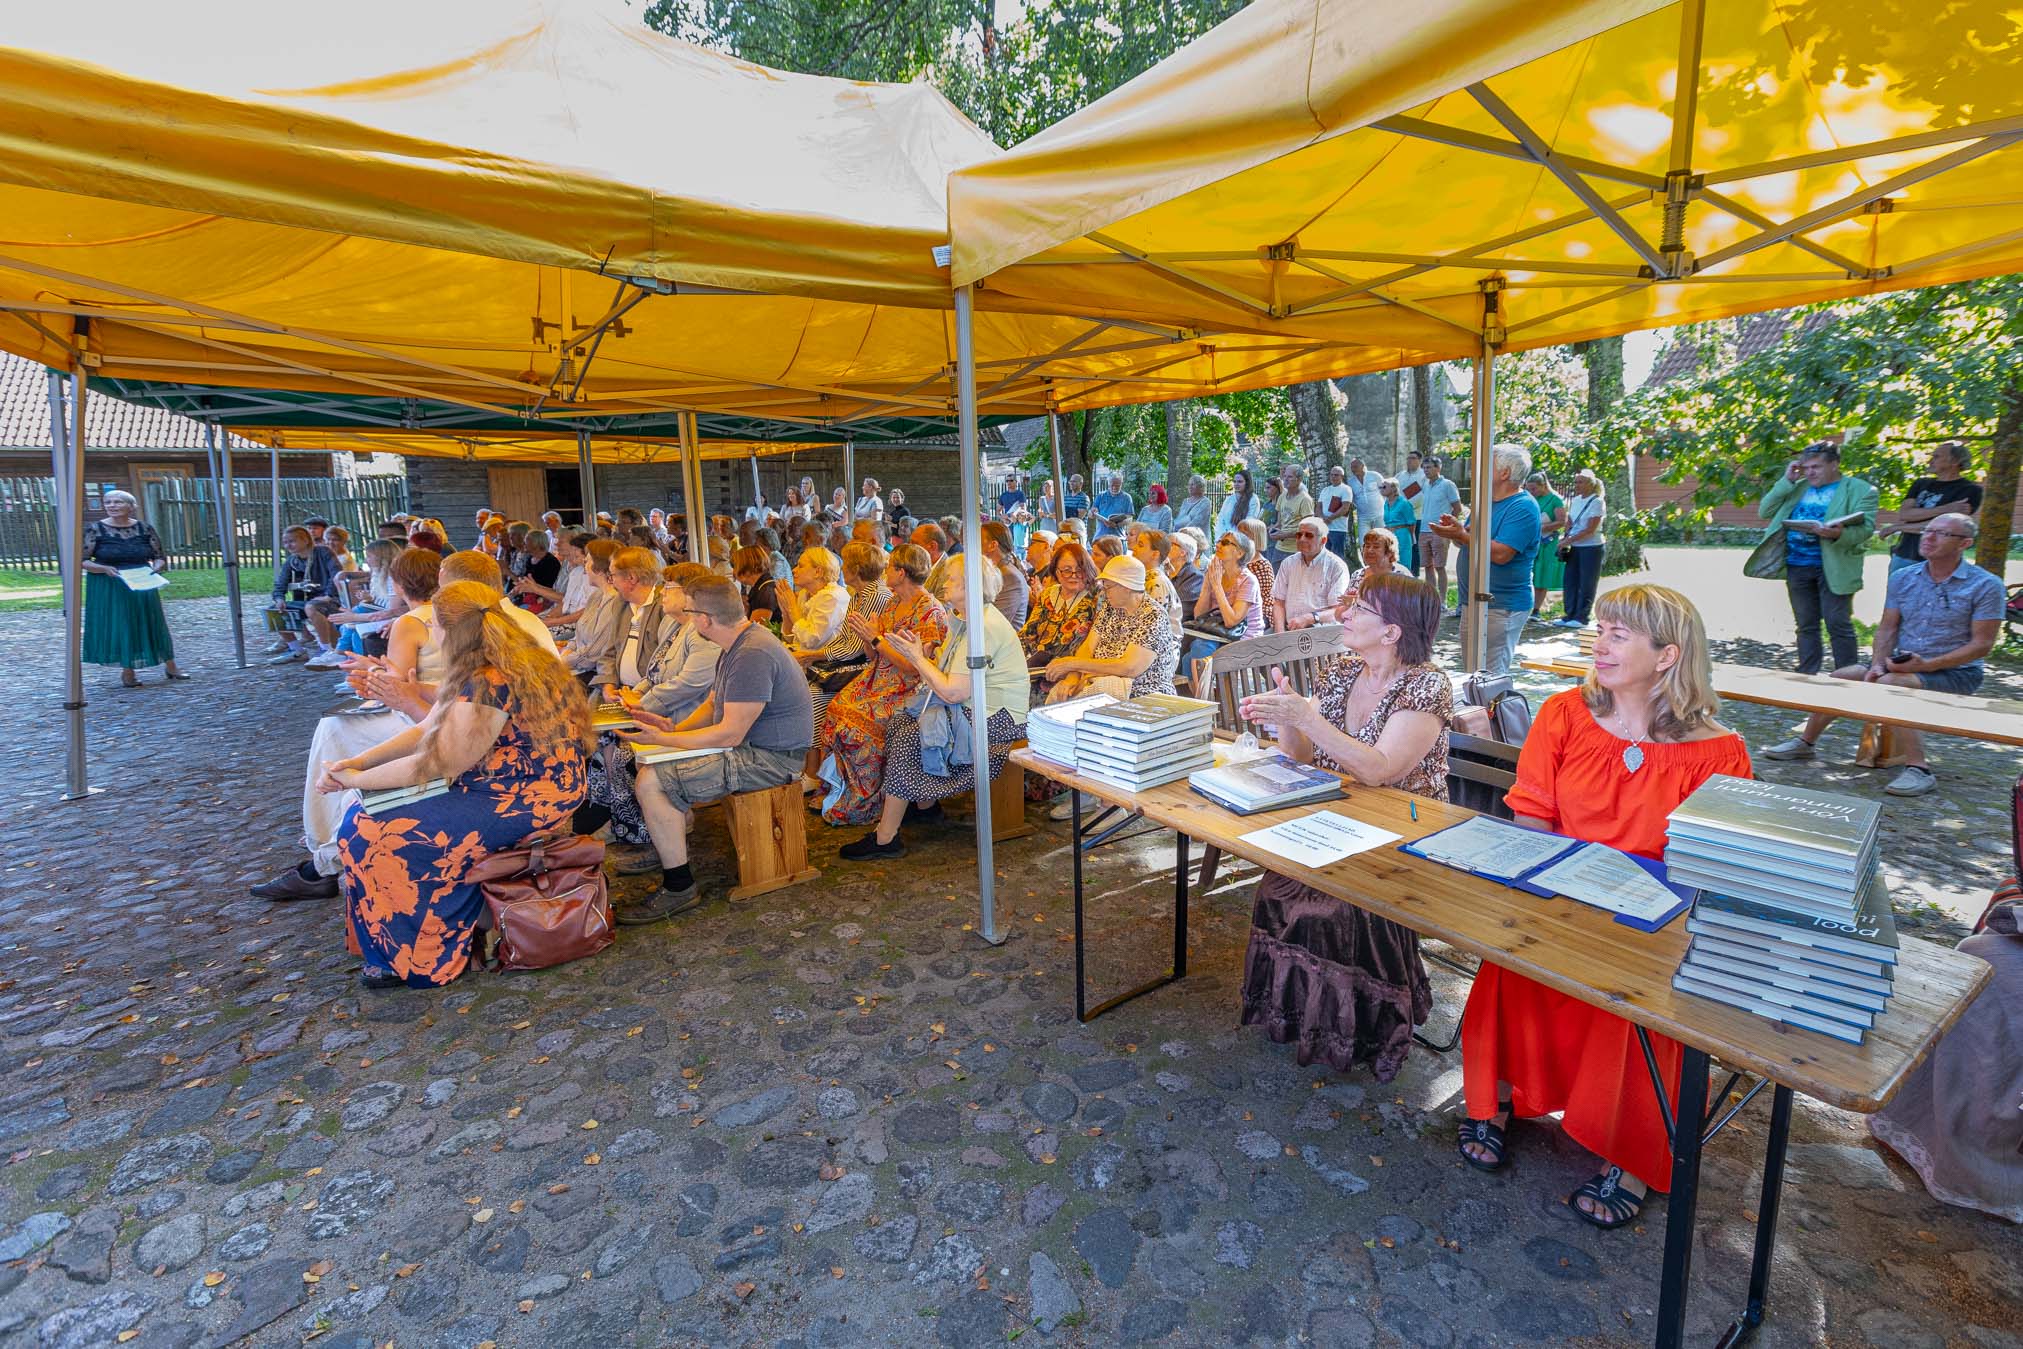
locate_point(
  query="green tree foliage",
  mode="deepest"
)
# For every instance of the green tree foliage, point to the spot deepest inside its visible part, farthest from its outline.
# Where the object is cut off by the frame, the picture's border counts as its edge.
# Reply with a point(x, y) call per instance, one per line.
point(1893, 374)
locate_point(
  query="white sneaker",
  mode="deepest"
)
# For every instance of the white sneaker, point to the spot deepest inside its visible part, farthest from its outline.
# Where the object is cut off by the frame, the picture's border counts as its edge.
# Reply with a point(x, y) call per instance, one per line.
point(277, 648)
point(324, 660)
point(286, 657)
point(1063, 809)
point(1913, 781)
point(1794, 748)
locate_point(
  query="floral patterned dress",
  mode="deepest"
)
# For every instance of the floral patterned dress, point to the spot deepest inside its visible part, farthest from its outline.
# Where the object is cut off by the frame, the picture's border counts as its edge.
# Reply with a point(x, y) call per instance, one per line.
point(859, 715)
point(1336, 982)
point(1149, 627)
point(407, 894)
point(1055, 628)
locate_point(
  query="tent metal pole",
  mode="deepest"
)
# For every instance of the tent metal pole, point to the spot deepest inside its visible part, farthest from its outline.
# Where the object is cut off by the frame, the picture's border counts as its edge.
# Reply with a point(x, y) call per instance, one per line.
point(228, 551)
point(973, 563)
point(586, 471)
point(69, 448)
point(1482, 478)
point(691, 489)
point(758, 495)
point(1060, 487)
point(274, 499)
point(850, 479)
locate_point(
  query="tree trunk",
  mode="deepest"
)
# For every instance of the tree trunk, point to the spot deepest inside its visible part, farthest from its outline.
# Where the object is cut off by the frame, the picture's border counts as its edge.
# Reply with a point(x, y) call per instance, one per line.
point(1603, 358)
point(1998, 490)
point(1422, 415)
point(1324, 441)
point(1180, 417)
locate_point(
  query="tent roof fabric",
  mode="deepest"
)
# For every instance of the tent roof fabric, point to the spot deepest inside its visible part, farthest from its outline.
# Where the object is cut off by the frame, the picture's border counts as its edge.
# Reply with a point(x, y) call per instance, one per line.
point(1356, 170)
point(444, 202)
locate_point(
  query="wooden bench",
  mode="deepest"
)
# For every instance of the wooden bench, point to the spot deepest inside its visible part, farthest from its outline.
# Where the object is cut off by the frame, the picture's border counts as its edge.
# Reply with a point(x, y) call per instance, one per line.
point(1882, 708)
point(769, 834)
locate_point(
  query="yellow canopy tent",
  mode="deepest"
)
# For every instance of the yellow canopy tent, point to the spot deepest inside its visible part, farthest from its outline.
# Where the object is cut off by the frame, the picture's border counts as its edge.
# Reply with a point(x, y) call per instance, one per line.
point(1464, 177)
point(535, 210)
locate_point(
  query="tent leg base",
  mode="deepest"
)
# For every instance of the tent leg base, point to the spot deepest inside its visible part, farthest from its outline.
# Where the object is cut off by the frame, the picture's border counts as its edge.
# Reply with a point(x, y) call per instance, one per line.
point(79, 796)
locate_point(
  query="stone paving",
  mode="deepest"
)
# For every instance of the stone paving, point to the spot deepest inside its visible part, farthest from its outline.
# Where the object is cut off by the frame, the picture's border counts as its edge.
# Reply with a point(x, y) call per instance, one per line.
point(829, 1116)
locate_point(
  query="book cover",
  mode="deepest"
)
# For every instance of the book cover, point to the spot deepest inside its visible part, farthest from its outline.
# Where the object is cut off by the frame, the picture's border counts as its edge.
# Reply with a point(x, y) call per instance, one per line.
point(1140, 783)
point(1785, 1016)
point(1823, 822)
point(652, 754)
point(1260, 782)
point(1872, 932)
point(372, 803)
point(1190, 760)
point(1235, 807)
point(1714, 956)
point(1153, 710)
point(1065, 715)
point(1747, 932)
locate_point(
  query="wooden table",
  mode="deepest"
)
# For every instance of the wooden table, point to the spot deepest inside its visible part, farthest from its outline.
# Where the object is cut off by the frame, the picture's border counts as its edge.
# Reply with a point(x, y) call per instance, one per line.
point(1882, 707)
point(1582, 952)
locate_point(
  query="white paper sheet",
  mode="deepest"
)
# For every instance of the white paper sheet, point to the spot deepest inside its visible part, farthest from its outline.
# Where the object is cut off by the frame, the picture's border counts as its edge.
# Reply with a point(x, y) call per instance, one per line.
point(142, 578)
point(1601, 876)
point(1491, 847)
point(1321, 838)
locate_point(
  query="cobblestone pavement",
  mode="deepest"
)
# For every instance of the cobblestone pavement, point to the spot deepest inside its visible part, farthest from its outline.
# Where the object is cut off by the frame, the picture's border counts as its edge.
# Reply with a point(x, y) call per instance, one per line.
point(830, 1116)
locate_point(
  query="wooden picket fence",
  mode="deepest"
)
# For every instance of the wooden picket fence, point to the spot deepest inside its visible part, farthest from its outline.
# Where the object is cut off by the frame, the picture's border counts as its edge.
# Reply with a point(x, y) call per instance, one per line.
point(184, 512)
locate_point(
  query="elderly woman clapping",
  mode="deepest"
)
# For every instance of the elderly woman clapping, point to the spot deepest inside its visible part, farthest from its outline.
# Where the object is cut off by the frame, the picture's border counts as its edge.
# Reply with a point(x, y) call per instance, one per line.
point(812, 609)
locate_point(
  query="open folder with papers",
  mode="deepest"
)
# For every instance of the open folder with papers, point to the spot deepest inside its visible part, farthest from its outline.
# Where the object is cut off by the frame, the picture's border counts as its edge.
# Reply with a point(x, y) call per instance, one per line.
point(1634, 889)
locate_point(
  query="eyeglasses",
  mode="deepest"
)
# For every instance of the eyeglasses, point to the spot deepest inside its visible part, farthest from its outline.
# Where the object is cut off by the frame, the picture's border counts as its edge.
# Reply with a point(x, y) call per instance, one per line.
point(1948, 534)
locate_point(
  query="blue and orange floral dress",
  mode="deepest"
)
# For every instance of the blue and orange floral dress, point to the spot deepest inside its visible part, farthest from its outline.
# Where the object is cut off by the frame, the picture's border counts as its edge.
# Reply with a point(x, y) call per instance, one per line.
point(407, 894)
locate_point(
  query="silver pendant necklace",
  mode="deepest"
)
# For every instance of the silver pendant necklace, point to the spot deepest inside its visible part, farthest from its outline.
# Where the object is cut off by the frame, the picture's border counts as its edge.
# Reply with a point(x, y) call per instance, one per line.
point(1633, 753)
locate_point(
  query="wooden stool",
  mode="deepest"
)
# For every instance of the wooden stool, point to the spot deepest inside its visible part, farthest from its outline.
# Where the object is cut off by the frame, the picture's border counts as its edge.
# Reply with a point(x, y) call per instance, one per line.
point(1008, 802)
point(769, 834)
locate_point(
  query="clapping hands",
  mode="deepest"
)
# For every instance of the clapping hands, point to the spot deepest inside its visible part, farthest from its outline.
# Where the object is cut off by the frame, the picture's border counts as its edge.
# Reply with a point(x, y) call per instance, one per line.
point(1281, 707)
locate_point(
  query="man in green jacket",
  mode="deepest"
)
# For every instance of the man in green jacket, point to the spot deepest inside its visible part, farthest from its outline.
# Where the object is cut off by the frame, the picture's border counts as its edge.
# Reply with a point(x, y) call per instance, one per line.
point(1826, 520)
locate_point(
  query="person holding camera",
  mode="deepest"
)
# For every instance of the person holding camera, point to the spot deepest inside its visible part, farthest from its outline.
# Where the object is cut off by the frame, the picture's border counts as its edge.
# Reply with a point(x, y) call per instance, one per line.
point(1826, 520)
point(1941, 619)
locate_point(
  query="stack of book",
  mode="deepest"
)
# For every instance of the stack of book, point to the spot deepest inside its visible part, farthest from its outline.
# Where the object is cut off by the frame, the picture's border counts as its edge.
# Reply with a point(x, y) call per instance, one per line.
point(1791, 922)
point(1269, 782)
point(1585, 641)
point(1050, 730)
point(1153, 739)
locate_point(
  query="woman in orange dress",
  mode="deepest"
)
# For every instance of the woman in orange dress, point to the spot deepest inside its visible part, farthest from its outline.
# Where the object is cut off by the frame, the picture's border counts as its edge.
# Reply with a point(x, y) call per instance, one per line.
point(508, 731)
point(1604, 763)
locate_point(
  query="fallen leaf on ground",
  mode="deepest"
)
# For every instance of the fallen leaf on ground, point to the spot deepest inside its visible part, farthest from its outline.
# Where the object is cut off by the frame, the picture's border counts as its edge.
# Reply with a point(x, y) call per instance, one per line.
point(214, 1278)
point(592, 1160)
point(483, 1215)
point(405, 1270)
point(744, 1290)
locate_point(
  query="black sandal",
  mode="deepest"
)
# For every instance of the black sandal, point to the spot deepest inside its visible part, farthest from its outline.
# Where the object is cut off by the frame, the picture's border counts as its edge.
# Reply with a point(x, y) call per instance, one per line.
point(1618, 1204)
point(1484, 1133)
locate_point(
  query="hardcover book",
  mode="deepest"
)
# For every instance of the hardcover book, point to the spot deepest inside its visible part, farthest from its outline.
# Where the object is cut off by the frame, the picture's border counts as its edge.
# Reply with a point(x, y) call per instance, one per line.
point(1823, 824)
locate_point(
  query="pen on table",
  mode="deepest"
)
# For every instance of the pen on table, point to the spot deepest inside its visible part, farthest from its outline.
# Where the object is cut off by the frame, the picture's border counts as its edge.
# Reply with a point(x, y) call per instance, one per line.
point(1415, 809)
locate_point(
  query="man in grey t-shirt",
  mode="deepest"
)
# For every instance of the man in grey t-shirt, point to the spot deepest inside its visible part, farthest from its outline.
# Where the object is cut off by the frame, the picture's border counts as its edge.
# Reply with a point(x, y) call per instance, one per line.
point(1941, 619)
point(754, 729)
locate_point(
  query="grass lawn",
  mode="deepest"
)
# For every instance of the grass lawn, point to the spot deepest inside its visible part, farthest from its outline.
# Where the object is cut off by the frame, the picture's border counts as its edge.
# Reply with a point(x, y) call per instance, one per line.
point(21, 589)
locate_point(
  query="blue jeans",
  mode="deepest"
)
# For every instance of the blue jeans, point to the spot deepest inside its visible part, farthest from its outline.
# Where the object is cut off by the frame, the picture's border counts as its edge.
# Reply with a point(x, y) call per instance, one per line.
point(1199, 648)
point(1499, 645)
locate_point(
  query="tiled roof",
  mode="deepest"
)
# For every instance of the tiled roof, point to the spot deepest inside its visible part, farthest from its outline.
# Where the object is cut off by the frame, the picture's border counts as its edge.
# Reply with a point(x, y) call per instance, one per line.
point(110, 423)
point(1759, 333)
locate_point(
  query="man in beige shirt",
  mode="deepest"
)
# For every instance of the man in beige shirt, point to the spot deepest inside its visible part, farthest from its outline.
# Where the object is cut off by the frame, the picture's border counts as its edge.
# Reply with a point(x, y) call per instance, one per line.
point(1294, 503)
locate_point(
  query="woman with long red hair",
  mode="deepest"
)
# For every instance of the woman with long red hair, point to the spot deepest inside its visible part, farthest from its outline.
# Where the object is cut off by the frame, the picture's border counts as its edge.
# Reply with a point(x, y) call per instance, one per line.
point(508, 732)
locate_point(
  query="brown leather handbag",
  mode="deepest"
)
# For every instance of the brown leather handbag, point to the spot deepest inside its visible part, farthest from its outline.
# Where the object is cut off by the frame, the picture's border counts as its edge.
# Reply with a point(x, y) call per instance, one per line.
point(547, 902)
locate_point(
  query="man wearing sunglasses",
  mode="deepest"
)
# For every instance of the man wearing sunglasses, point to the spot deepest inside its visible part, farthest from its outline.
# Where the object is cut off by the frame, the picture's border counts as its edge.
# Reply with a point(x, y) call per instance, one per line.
point(1311, 582)
point(1940, 619)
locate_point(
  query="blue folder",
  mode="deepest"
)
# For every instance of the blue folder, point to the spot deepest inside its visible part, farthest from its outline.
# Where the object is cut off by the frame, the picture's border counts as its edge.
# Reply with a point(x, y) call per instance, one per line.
point(1686, 893)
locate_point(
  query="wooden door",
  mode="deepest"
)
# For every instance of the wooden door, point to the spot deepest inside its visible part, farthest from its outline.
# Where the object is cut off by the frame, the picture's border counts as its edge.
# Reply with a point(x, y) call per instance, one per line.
point(519, 493)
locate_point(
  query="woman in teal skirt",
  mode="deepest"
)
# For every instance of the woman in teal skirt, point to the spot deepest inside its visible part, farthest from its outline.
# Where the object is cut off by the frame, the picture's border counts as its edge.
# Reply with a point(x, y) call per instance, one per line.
point(124, 626)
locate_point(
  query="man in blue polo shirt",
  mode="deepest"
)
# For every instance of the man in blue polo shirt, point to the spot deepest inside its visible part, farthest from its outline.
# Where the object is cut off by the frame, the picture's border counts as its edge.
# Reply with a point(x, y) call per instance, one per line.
point(1514, 531)
point(1112, 504)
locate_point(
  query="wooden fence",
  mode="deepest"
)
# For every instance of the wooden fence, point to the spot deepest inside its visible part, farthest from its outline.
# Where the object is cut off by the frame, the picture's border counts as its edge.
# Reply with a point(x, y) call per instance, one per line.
point(184, 513)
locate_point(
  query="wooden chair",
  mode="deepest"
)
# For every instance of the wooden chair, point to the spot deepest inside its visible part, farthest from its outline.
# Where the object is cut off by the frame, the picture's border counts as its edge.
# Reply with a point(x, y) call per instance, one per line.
point(769, 834)
point(1242, 668)
point(1479, 772)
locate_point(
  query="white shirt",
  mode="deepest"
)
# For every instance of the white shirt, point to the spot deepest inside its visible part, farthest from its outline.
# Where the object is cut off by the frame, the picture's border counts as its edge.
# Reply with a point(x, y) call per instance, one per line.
point(532, 626)
point(1369, 501)
point(628, 657)
point(870, 508)
point(576, 590)
point(1331, 496)
point(821, 619)
point(1310, 589)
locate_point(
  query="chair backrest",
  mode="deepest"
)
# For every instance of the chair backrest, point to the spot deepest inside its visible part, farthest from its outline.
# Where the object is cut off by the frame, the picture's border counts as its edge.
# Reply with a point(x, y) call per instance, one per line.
point(1479, 772)
point(1242, 668)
